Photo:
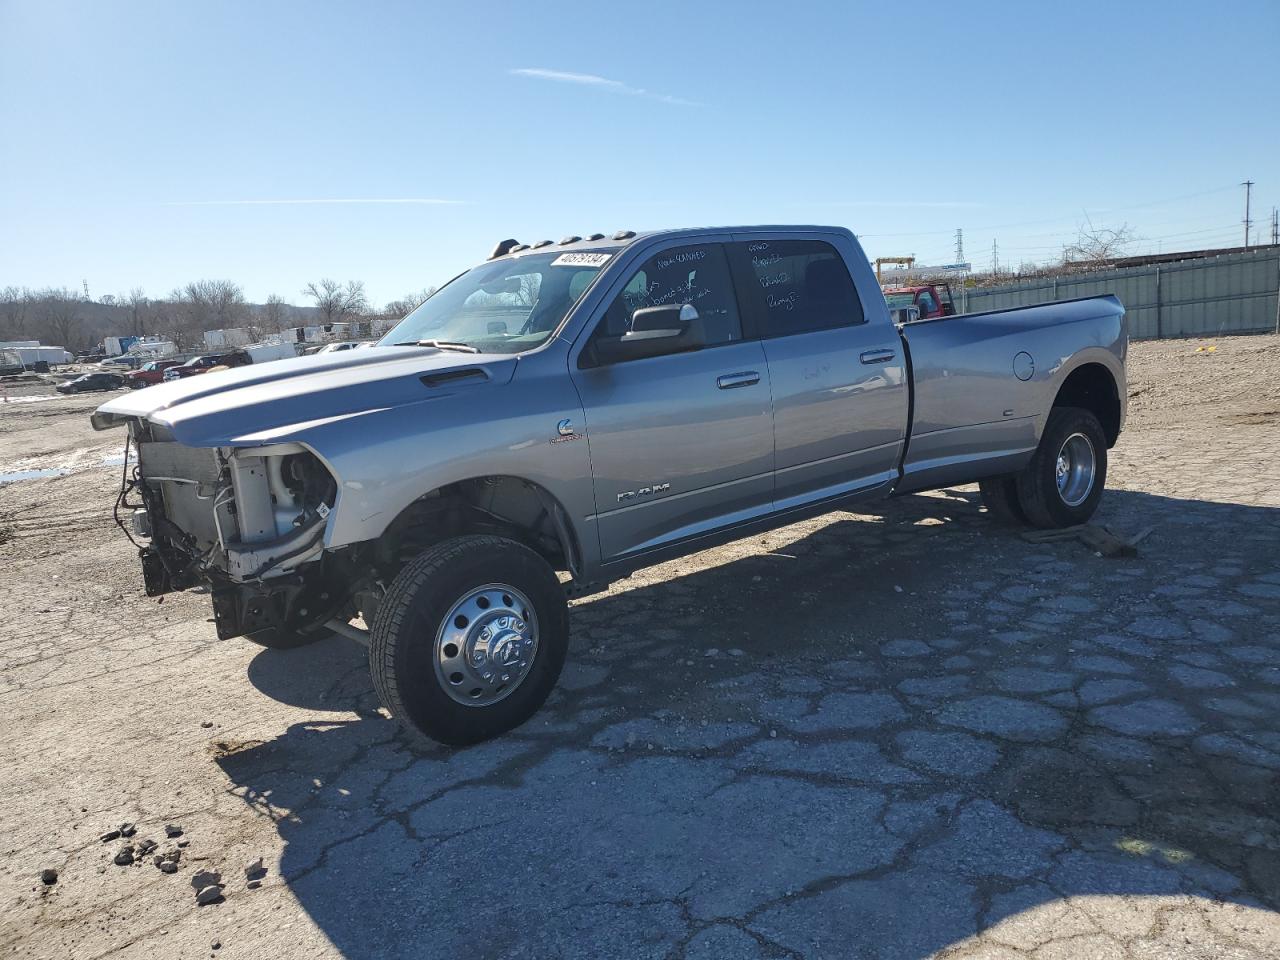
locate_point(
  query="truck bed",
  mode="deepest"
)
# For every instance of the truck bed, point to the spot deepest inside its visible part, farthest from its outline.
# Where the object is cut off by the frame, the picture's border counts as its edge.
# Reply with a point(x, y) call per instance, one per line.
point(973, 415)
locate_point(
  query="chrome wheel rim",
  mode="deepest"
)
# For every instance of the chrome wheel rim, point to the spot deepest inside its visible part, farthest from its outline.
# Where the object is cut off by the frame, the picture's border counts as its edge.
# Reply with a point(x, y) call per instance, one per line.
point(1075, 470)
point(486, 645)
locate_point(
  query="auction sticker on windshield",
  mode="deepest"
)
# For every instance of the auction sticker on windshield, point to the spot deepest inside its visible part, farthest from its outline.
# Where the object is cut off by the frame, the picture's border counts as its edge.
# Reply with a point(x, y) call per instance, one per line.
point(581, 260)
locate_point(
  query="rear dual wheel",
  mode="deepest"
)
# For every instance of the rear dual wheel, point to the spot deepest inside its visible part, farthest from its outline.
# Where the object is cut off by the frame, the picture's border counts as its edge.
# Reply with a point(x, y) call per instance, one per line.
point(1063, 483)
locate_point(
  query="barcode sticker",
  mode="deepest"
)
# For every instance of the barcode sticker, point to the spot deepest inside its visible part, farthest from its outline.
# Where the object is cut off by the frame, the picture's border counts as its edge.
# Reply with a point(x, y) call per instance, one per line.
point(581, 260)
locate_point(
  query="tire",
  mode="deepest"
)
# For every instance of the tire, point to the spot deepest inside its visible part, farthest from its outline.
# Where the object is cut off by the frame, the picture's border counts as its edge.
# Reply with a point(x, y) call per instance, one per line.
point(431, 626)
point(274, 638)
point(1000, 497)
point(1077, 436)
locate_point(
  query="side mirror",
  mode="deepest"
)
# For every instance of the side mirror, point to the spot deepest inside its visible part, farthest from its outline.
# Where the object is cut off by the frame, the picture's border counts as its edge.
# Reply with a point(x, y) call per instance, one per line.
point(655, 332)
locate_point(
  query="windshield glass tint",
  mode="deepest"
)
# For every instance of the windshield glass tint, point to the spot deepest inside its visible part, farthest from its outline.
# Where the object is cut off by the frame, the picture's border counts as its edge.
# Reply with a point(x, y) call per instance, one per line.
point(508, 306)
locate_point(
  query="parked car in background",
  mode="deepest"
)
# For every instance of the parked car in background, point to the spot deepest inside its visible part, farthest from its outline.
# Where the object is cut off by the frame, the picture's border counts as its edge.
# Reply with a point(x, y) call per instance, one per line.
point(662, 393)
point(240, 357)
point(88, 382)
point(126, 361)
point(339, 347)
point(150, 373)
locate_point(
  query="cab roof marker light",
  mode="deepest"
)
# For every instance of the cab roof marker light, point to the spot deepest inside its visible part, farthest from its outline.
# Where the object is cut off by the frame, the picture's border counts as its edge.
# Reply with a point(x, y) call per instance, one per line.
point(570, 239)
point(518, 247)
point(502, 249)
point(596, 236)
point(624, 235)
point(542, 243)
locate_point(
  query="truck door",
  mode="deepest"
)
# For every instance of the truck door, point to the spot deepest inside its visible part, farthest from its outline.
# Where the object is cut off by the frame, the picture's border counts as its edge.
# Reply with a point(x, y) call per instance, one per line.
point(680, 444)
point(839, 383)
point(928, 304)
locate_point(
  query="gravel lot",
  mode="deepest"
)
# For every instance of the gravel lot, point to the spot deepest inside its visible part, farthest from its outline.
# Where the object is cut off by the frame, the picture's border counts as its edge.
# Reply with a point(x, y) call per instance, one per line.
point(895, 735)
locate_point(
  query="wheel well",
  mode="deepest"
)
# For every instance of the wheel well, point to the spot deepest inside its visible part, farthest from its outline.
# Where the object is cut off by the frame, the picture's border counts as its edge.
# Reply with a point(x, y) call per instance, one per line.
point(1091, 387)
point(503, 505)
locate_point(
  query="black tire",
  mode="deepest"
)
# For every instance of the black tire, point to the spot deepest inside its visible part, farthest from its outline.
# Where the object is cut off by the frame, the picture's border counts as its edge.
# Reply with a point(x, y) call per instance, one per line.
point(1038, 493)
point(403, 642)
point(1000, 497)
point(274, 638)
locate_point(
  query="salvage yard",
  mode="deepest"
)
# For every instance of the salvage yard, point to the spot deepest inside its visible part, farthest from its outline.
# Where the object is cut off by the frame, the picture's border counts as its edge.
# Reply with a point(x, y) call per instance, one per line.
point(894, 735)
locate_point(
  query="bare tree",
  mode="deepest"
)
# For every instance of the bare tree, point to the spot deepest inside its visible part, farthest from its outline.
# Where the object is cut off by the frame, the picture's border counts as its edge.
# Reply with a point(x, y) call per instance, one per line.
point(214, 304)
point(338, 303)
point(1097, 244)
point(137, 310)
point(399, 309)
point(60, 318)
point(14, 312)
point(169, 318)
point(274, 313)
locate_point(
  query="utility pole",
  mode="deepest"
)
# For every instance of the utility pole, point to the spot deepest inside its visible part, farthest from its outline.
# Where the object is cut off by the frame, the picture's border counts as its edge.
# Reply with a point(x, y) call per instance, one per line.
point(1248, 195)
point(959, 245)
point(85, 284)
point(1275, 225)
point(995, 257)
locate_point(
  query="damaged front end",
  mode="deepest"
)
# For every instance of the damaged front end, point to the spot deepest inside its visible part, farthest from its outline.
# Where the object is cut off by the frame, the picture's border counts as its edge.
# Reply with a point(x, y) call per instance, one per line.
point(248, 522)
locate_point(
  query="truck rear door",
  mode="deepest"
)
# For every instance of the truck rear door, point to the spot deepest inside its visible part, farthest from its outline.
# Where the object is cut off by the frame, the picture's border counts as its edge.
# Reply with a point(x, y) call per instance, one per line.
point(839, 384)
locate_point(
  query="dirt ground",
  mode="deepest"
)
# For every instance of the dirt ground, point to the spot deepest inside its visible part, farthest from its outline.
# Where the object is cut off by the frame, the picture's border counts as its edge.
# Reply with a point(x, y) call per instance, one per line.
point(901, 734)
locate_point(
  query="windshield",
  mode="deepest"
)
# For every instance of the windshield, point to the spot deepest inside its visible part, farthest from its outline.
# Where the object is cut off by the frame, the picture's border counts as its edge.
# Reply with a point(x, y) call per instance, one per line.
point(896, 300)
point(507, 306)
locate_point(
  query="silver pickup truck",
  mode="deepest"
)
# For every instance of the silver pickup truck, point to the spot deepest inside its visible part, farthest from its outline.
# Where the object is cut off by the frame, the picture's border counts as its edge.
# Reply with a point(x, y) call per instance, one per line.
point(565, 413)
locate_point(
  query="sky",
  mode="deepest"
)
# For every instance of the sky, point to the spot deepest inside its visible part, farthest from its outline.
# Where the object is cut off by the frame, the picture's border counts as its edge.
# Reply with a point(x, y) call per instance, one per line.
point(273, 143)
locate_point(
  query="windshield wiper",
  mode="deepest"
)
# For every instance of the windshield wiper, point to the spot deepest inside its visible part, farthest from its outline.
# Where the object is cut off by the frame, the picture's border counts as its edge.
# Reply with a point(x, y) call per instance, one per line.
point(440, 345)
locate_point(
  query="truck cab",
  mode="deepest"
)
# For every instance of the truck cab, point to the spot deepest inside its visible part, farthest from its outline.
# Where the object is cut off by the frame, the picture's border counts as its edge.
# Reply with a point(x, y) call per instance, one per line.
point(931, 299)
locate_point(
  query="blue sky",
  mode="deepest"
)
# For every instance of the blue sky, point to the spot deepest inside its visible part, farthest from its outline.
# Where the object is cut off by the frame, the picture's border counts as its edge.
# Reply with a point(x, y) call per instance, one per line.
point(135, 134)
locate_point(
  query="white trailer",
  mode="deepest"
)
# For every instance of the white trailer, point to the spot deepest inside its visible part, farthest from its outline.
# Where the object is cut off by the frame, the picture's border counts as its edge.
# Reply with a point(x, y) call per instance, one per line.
point(30, 356)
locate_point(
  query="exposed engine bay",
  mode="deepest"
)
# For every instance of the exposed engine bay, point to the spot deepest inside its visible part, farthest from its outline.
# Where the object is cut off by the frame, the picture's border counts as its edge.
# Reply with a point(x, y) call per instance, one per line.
point(243, 520)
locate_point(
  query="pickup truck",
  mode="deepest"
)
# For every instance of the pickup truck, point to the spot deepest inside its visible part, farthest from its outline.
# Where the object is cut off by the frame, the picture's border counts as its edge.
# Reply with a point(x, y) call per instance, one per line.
point(931, 299)
point(563, 414)
point(150, 373)
point(190, 368)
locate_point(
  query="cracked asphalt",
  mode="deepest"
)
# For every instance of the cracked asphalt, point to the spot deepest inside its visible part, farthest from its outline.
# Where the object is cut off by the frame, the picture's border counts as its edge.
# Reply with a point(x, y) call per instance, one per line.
point(905, 733)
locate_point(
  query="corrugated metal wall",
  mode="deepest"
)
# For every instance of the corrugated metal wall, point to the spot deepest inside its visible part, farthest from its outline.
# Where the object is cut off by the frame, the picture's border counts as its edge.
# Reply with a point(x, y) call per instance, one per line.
point(1233, 293)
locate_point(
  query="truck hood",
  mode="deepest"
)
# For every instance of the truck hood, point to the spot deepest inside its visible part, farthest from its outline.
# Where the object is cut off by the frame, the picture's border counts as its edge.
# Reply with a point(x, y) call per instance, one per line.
point(264, 402)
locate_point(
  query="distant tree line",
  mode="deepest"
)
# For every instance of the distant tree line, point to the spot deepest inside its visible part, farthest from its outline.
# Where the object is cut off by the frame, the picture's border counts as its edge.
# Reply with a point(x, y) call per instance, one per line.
point(60, 316)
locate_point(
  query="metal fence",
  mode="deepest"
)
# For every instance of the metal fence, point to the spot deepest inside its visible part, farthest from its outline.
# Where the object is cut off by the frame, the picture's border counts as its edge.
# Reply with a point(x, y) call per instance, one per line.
point(1210, 296)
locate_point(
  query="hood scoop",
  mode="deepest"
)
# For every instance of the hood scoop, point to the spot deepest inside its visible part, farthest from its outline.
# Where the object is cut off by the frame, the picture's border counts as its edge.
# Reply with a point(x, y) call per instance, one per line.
point(446, 378)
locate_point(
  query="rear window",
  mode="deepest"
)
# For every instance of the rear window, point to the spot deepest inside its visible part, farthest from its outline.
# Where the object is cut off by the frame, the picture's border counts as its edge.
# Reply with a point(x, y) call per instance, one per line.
point(799, 286)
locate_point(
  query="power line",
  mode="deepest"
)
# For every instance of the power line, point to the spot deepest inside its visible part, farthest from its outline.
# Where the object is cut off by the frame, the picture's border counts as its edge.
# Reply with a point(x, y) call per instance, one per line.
point(1032, 223)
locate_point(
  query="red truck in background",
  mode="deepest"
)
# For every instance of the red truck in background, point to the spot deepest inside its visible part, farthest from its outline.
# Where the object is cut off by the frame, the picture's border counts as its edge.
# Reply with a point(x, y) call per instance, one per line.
point(931, 299)
point(149, 373)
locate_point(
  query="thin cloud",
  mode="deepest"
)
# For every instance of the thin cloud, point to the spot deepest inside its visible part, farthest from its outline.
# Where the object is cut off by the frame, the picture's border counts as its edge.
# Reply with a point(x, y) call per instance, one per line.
point(429, 201)
point(600, 83)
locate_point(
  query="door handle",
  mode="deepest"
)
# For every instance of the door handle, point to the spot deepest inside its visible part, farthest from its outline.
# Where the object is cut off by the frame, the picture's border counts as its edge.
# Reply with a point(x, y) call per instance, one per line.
point(877, 356)
point(731, 380)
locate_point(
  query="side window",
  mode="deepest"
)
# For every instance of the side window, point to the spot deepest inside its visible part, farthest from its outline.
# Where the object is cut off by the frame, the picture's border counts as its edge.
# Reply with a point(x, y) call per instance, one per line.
point(799, 286)
point(928, 305)
point(698, 275)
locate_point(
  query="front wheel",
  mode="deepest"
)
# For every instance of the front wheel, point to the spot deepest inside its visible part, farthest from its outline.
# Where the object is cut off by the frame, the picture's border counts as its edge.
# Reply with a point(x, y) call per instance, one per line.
point(469, 639)
point(1063, 483)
